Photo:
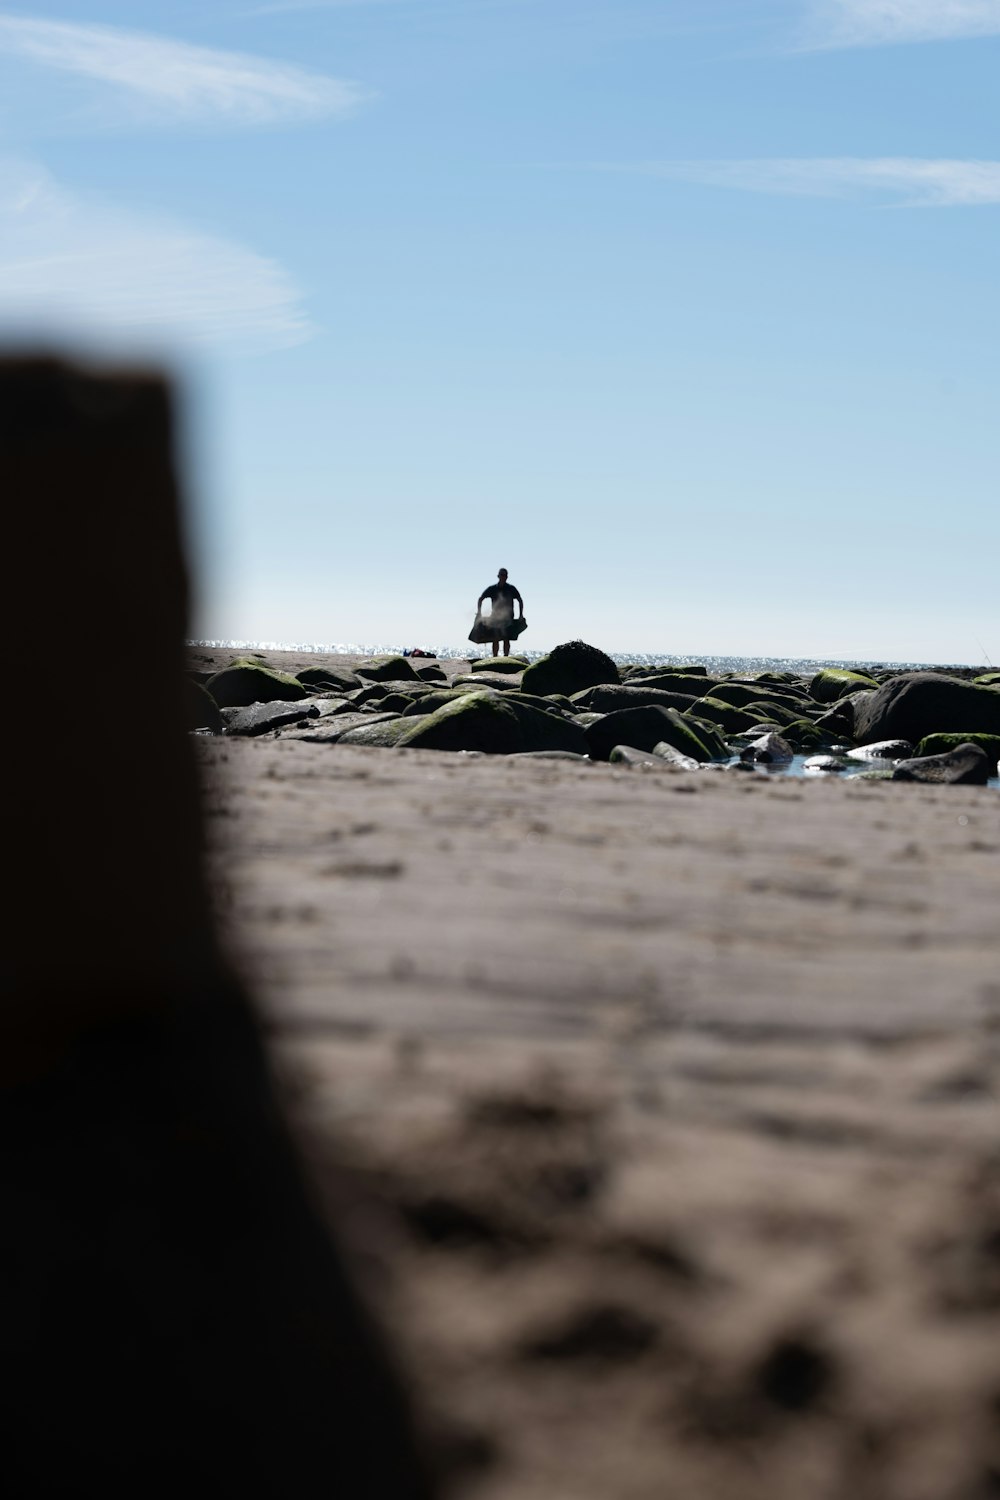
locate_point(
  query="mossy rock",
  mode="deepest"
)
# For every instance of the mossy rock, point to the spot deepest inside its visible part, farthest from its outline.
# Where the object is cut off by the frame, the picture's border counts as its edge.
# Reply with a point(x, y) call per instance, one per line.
point(803, 735)
point(495, 724)
point(832, 683)
point(988, 679)
point(202, 709)
point(502, 681)
point(340, 679)
point(643, 729)
point(743, 694)
point(500, 664)
point(914, 705)
point(568, 669)
point(388, 669)
point(429, 703)
point(683, 737)
point(245, 683)
point(942, 744)
point(671, 681)
point(725, 715)
point(385, 733)
point(709, 735)
point(609, 698)
point(778, 713)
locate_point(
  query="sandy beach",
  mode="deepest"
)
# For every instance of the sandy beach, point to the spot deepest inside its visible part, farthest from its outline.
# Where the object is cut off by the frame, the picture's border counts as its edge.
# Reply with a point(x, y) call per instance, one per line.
point(667, 1103)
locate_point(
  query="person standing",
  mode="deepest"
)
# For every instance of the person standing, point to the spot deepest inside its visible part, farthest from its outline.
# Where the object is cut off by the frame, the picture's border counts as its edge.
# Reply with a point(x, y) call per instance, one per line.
point(501, 623)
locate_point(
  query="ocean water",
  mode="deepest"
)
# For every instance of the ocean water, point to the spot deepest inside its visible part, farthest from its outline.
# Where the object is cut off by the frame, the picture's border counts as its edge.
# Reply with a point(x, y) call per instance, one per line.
point(803, 665)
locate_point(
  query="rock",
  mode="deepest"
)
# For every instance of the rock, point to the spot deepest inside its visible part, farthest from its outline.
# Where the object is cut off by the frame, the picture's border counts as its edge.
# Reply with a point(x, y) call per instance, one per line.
point(551, 755)
point(818, 765)
point(504, 664)
point(988, 679)
point(917, 704)
point(341, 679)
point(429, 703)
point(382, 732)
point(965, 766)
point(728, 718)
point(608, 699)
point(568, 669)
point(264, 718)
point(940, 744)
point(889, 750)
point(743, 694)
point(643, 728)
point(770, 749)
point(838, 721)
point(202, 709)
point(431, 673)
point(244, 683)
point(669, 681)
point(331, 730)
point(388, 669)
point(503, 682)
point(803, 734)
point(628, 755)
point(666, 752)
point(490, 722)
point(836, 682)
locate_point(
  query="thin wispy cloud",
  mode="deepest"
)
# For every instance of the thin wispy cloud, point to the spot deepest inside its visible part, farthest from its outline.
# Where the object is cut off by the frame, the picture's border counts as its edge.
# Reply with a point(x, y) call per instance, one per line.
point(176, 81)
point(71, 265)
point(873, 23)
point(911, 181)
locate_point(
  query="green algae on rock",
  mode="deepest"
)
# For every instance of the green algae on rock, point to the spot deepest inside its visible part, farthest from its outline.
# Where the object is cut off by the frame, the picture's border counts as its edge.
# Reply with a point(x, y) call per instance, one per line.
point(835, 682)
point(246, 682)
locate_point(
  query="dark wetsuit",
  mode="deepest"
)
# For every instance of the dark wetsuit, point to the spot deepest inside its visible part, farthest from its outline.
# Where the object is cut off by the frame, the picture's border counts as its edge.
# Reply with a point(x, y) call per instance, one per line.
point(501, 597)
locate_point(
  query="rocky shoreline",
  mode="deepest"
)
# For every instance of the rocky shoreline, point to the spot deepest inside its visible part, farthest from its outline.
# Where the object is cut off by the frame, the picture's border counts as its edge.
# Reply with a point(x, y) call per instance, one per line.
point(939, 726)
point(659, 1104)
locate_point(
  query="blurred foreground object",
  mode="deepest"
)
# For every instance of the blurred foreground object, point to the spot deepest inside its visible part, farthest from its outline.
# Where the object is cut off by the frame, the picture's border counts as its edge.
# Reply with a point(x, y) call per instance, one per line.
point(176, 1319)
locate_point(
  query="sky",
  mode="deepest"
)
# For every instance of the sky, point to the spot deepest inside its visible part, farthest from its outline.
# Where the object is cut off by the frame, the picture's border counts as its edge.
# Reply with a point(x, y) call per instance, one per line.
point(684, 311)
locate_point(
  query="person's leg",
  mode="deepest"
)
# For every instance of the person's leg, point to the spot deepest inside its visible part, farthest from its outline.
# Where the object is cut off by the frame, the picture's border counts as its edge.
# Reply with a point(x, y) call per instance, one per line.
point(496, 648)
point(506, 645)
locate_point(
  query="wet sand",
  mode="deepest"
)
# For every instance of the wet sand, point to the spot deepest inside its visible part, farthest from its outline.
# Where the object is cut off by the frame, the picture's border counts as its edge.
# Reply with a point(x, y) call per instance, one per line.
point(669, 1103)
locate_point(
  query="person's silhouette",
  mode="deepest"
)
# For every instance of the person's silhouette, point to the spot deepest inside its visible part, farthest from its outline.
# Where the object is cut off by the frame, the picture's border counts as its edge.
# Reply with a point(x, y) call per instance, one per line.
point(502, 596)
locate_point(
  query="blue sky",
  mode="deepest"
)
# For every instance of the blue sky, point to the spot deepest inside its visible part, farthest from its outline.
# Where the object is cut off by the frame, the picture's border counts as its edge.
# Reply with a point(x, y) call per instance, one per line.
point(685, 311)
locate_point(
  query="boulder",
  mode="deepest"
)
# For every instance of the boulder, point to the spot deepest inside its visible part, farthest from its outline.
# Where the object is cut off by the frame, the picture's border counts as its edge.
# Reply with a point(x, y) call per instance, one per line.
point(673, 682)
point(917, 704)
point(608, 699)
point(490, 722)
point(330, 731)
point(742, 694)
point(381, 732)
point(825, 765)
point(340, 679)
point(505, 664)
point(728, 718)
point(889, 750)
point(838, 721)
point(644, 728)
point(264, 718)
point(202, 709)
point(770, 749)
point(965, 766)
point(675, 758)
point(244, 683)
point(568, 669)
point(836, 682)
point(941, 744)
point(988, 679)
point(432, 673)
point(628, 755)
point(388, 669)
point(506, 682)
point(803, 734)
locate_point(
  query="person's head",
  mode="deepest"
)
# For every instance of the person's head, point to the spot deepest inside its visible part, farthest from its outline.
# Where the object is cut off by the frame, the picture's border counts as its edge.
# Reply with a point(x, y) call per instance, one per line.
point(502, 575)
